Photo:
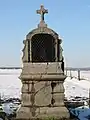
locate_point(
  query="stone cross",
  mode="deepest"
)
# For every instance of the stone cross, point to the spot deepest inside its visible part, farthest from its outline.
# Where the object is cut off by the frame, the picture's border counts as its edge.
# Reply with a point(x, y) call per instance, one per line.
point(42, 11)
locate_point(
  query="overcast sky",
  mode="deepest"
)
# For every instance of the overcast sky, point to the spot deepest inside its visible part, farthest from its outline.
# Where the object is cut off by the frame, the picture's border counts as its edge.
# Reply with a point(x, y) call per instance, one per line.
point(69, 18)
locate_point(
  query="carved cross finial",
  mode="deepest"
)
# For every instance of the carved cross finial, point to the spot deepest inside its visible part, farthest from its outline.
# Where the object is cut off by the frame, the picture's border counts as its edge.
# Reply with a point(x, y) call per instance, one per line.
point(42, 11)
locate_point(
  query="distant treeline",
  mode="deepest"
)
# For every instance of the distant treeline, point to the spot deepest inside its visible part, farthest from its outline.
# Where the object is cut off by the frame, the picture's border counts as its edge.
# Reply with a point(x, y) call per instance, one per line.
point(10, 67)
point(68, 68)
point(75, 69)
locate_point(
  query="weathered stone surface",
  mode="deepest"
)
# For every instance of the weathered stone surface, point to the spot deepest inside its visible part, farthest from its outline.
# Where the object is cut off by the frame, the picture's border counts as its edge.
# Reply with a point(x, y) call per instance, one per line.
point(45, 112)
point(42, 77)
point(42, 68)
point(25, 87)
point(43, 94)
point(26, 99)
point(58, 112)
point(24, 113)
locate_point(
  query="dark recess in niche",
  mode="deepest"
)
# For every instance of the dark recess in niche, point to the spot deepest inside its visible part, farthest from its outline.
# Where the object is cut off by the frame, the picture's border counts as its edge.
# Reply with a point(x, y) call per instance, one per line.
point(43, 49)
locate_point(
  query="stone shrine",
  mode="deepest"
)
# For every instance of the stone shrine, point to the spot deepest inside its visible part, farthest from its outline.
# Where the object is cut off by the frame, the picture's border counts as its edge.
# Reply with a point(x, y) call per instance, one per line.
point(42, 74)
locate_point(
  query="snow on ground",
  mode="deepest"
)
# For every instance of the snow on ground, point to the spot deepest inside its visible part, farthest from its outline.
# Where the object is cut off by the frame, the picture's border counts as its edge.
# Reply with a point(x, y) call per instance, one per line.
point(74, 87)
point(10, 84)
point(83, 74)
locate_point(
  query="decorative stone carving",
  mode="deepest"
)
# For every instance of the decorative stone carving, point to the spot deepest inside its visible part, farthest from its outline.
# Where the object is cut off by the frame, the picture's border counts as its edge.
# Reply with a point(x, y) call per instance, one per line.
point(25, 51)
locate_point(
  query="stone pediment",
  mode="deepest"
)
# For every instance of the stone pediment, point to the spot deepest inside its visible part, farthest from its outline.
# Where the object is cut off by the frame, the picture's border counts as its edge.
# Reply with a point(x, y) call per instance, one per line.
point(42, 30)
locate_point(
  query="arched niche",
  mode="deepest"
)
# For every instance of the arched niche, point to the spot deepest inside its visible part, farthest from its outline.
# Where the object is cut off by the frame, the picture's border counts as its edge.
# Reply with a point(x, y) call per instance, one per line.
point(43, 48)
point(42, 45)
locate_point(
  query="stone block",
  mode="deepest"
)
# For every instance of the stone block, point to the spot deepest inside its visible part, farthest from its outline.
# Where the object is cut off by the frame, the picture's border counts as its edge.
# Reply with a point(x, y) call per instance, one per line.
point(43, 94)
point(59, 99)
point(26, 99)
point(59, 87)
point(25, 87)
point(24, 113)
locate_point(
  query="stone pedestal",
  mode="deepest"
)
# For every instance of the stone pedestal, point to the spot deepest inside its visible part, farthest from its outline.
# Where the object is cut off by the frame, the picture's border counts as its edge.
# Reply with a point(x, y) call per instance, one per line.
point(42, 74)
point(42, 91)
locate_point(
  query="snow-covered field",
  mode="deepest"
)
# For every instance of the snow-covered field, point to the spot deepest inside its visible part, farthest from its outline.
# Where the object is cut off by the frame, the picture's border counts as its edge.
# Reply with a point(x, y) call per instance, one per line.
point(10, 84)
point(74, 87)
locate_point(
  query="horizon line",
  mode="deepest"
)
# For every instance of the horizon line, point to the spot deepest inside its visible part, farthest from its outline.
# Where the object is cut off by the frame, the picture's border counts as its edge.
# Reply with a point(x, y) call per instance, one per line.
point(66, 68)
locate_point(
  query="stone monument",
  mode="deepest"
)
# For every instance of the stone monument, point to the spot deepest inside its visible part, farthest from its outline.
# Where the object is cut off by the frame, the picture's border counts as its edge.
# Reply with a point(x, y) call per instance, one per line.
point(42, 74)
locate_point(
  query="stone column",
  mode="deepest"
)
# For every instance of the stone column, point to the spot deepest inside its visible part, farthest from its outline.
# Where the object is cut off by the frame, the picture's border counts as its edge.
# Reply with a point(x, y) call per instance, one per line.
point(27, 109)
point(59, 94)
point(30, 51)
point(56, 50)
point(25, 51)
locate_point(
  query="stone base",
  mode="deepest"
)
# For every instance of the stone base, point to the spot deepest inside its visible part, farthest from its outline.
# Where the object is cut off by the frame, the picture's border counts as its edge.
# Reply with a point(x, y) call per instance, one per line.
point(43, 113)
point(45, 119)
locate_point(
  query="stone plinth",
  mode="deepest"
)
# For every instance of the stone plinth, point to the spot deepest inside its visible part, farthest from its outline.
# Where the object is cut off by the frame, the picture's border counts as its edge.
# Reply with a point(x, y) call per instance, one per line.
point(42, 91)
